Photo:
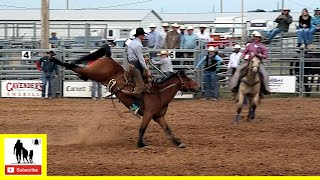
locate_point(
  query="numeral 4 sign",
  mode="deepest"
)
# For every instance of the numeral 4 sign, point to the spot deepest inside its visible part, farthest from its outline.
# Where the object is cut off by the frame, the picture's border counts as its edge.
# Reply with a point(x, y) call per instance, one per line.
point(25, 54)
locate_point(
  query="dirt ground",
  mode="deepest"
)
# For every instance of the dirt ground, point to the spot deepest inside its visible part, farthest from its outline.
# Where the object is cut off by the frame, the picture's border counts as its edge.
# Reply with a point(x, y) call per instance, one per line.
point(88, 137)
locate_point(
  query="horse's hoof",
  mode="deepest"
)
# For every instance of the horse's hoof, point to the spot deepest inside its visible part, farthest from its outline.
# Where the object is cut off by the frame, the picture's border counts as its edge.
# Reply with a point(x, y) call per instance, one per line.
point(182, 145)
point(141, 145)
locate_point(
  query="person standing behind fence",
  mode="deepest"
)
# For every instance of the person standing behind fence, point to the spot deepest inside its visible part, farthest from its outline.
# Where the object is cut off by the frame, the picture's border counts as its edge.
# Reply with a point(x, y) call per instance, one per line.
point(49, 72)
point(163, 34)
point(189, 41)
point(96, 88)
point(304, 28)
point(202, 35)
point(284, 20)
point(315, 24)
point(211, 61)
point(181, 34)
point(53, 39)
point(173, 38)
point(234, 59)
point(154, 38)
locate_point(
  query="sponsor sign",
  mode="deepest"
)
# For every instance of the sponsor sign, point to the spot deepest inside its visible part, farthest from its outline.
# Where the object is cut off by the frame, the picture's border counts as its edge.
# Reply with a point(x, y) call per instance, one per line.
point(282, 84)
point(21, 88)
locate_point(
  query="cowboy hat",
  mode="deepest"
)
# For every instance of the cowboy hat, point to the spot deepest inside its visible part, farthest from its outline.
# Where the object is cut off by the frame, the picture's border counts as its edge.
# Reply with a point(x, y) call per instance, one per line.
point(182, 27)
point(317, 9)
point(51, 52)
point(175, 25)
point(257, 34)
point(286, 9)
point(190, 28)
point(203, 26)
point(163, 53)
point(152, 25)
point(165, 25)
point(139, 31)
point(237, 46)
point(211, 48)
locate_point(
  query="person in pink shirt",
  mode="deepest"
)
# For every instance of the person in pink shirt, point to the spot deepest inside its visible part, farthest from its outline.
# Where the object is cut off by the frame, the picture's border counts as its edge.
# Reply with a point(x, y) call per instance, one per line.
point(254, 49)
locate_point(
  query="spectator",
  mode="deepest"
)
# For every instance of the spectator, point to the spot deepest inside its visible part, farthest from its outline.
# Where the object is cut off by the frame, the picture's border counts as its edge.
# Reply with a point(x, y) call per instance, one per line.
point(163, 34)
point(315, 24)
point(53, 39)
point(182, 29)
point(96, 88)
point(212, 61)
point(303, 28)
point(189, 41)
point(165, 64)
point(173, 38)
point(202, 35)
point(153, 37)
point(49, 71)
point(284, 20)
point(182, 34)
point(234, 59)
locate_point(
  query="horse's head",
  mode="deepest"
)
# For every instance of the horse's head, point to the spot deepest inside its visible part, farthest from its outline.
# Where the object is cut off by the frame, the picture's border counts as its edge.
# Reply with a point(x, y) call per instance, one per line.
point(254, 64)
point(187, 84)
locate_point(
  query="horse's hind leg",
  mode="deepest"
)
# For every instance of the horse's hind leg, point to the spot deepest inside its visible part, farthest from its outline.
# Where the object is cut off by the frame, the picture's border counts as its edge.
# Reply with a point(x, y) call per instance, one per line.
point(144, 124)
point(163, 123)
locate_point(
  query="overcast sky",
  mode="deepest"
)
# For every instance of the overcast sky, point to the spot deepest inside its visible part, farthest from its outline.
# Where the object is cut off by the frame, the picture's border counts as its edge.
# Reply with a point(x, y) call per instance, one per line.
point(183, 6)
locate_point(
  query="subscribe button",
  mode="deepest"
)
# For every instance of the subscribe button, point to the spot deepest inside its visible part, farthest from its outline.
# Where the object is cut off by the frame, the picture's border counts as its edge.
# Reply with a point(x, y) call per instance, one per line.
point(23, 170)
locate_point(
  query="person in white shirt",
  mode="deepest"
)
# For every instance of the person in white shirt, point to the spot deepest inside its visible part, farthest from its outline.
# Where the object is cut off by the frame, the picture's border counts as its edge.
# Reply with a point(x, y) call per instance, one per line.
point(164, 63)
point(234, 59)
point(163, 34)
point(202, 35)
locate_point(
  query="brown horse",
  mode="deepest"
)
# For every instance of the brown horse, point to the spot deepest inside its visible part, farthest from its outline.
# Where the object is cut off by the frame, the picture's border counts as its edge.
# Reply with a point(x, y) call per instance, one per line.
point(154, 104)
point(250, 86)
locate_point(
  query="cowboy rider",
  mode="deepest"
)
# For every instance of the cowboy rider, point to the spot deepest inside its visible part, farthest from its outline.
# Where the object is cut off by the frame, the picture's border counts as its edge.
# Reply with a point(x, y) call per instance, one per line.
point(137, 68)
point(254, 49)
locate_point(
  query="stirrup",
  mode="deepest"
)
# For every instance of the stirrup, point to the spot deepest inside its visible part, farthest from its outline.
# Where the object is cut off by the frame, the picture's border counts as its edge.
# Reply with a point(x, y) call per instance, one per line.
point(135, 112)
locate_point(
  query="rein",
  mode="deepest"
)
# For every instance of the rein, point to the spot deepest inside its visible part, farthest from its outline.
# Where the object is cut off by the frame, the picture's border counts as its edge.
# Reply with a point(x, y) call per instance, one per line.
point(183, 84)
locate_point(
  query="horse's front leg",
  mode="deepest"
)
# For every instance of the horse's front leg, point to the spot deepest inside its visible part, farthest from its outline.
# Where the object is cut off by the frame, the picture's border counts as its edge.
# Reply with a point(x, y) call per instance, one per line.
point(144, 124)
point(253, 107)
point(240, 104)
point(163, 123)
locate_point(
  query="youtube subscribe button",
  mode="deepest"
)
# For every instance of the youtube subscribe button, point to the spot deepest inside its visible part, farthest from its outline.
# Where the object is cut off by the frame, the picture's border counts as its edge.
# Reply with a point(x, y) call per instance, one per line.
point(23, 170)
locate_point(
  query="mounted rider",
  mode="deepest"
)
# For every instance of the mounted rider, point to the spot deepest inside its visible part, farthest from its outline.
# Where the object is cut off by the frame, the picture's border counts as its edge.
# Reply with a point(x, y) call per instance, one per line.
point(137, 68)
point(254, 49)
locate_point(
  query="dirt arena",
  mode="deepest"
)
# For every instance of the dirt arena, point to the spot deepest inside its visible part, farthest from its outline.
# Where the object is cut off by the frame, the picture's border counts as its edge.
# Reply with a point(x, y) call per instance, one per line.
point(88, 137)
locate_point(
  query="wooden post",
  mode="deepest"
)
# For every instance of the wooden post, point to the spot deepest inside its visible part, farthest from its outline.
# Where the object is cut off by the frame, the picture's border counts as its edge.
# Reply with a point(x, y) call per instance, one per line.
point(45, 24)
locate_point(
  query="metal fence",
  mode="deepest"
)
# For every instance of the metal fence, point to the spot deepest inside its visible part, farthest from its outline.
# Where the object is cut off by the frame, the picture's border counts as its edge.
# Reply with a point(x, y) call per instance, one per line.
point(281, 62)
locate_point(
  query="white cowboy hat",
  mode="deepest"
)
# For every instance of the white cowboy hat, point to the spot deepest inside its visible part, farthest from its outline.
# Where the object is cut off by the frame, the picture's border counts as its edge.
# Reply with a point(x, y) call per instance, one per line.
point(163, 53)
point(190, 28)
point(286, 9)
point(165, 25)
point(203, 25)
point(175, 25)
point(211, 48)
point(182, 27)
point(257, 34)
point(152, 25)
point(237, 46)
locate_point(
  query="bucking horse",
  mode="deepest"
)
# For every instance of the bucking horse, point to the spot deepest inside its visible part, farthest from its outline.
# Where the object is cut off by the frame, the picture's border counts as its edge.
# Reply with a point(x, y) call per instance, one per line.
point(154, 103)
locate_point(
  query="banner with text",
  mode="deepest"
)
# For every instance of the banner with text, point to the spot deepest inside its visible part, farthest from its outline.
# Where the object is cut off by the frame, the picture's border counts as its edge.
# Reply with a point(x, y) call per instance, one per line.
point(282, 84)
point(21, 88)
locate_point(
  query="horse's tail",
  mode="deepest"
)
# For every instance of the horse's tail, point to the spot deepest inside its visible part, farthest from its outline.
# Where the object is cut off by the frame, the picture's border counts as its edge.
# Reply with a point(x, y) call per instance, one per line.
point(104, 50)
